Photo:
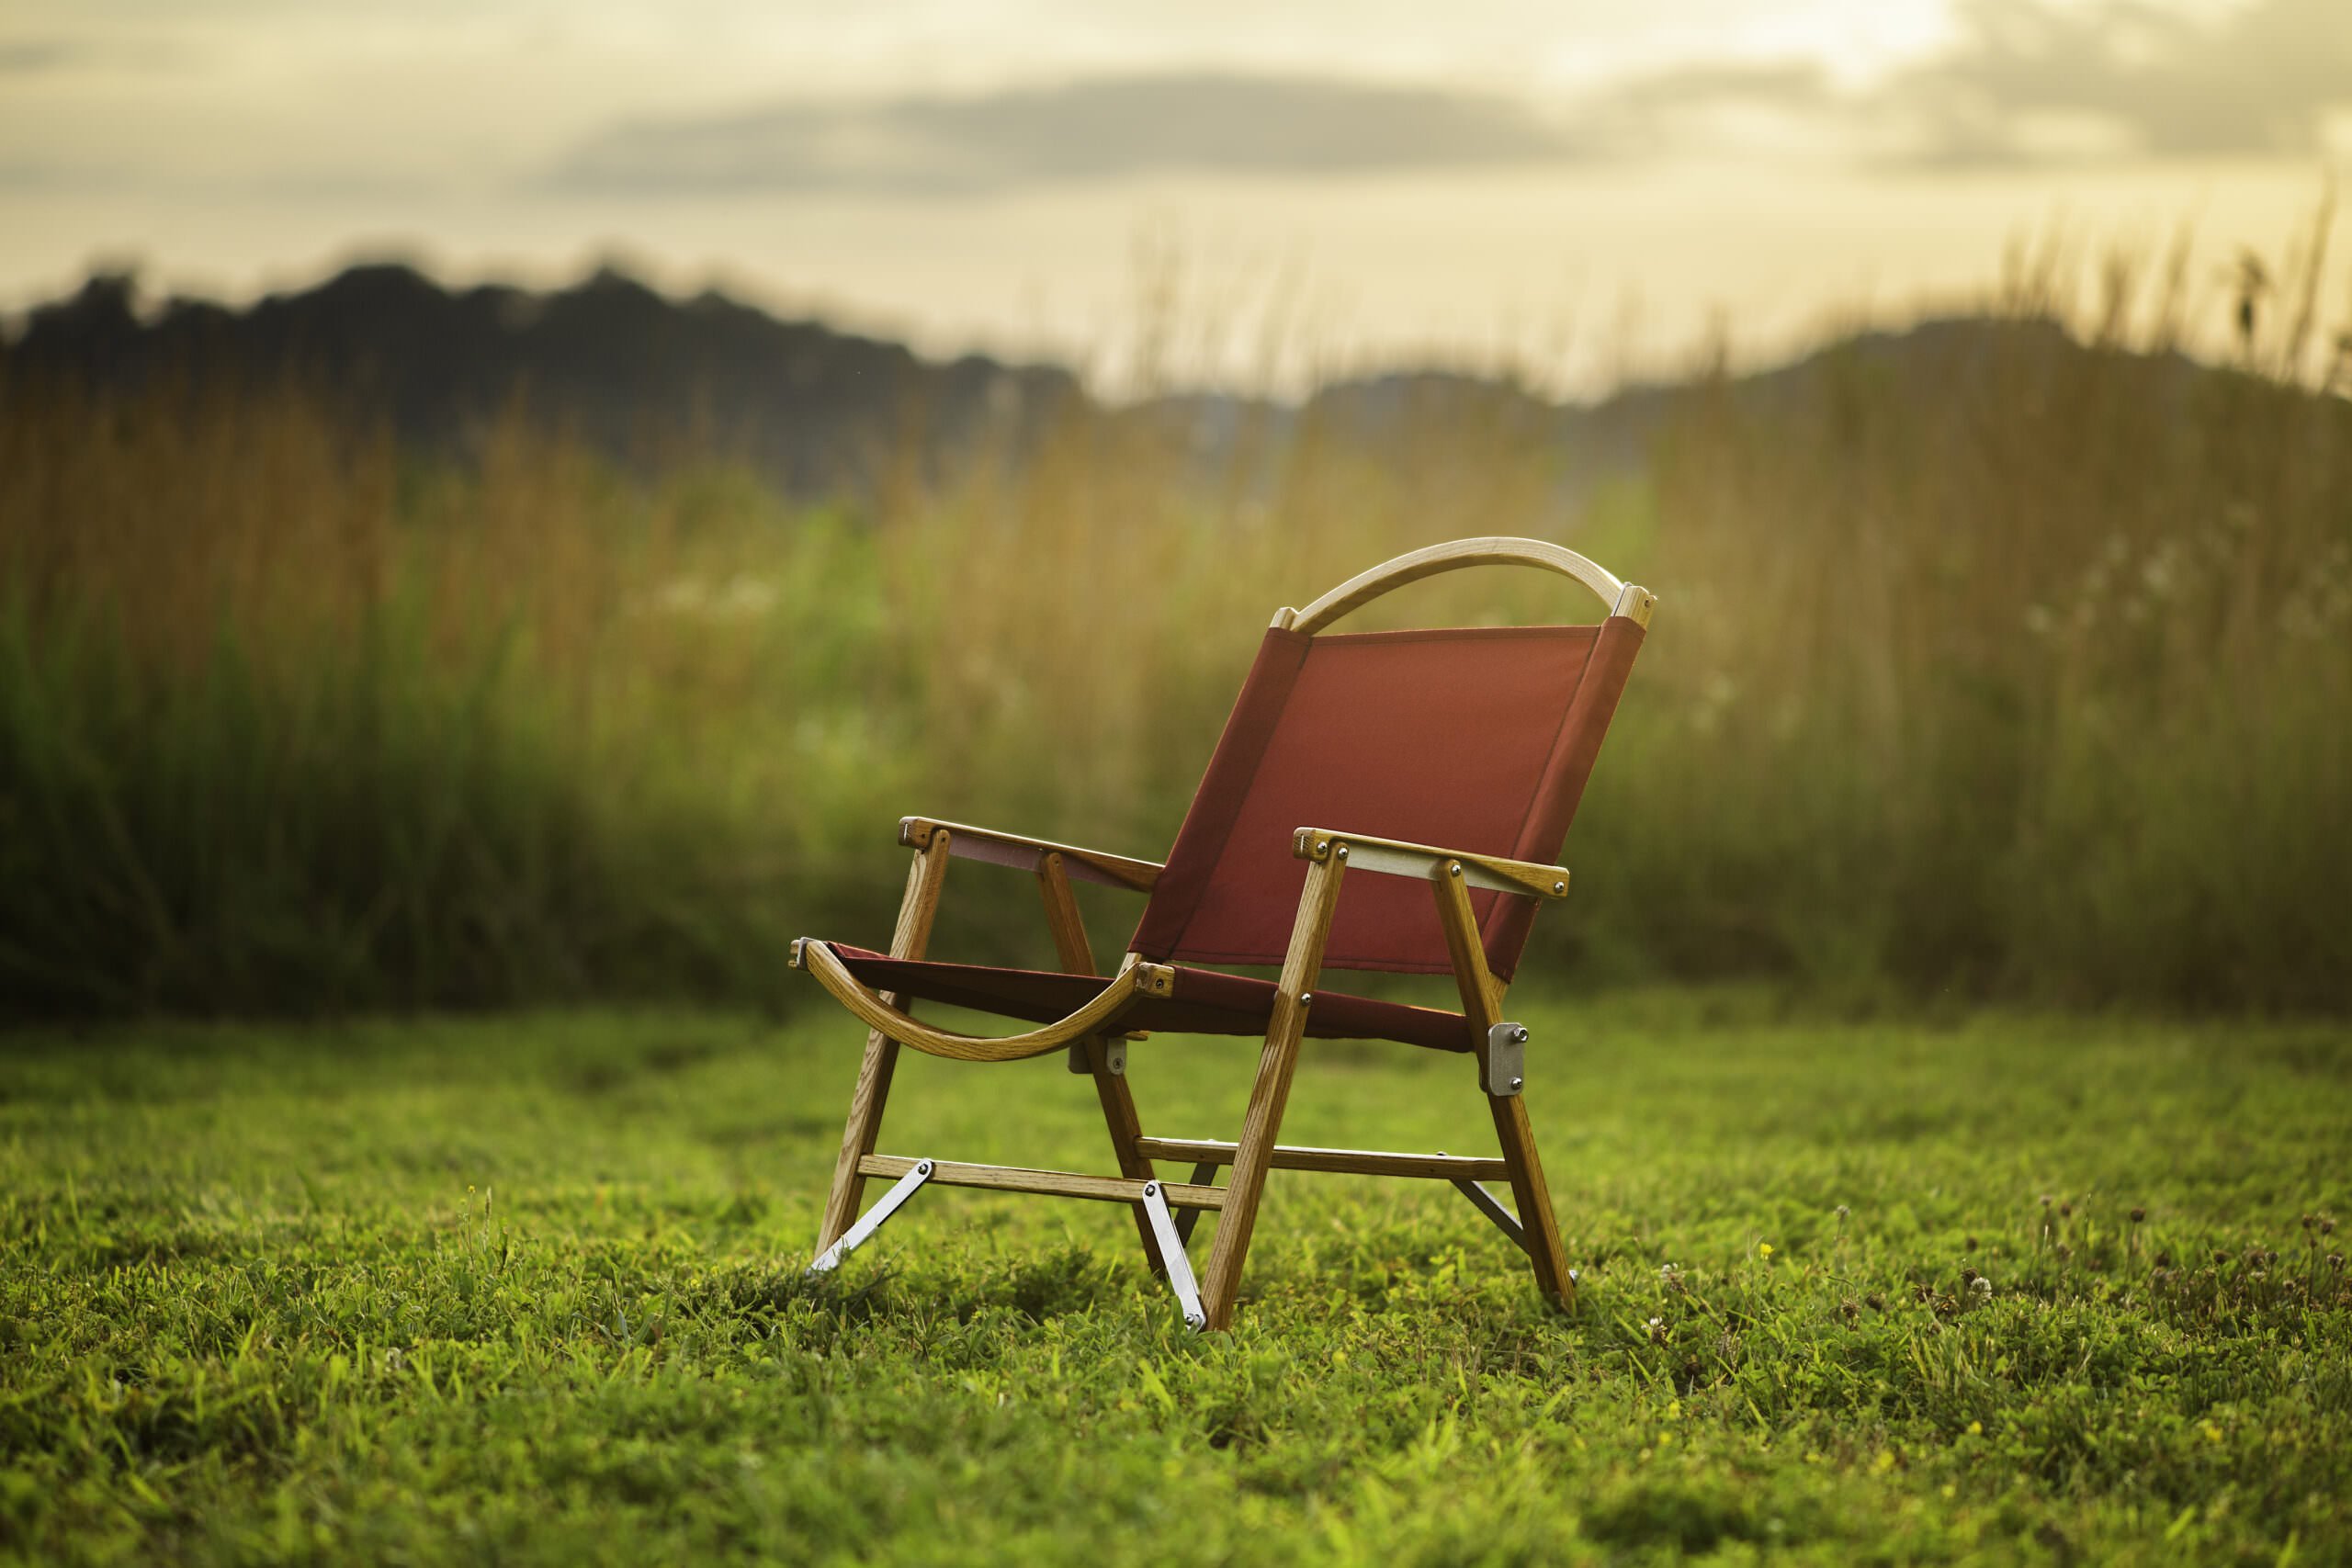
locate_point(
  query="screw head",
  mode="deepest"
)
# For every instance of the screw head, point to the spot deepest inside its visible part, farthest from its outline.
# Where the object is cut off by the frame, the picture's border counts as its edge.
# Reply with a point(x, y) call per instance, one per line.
point(1321, 845)
point(1305, 998)
point(1341, 852)
point(1454, 868)
point(1518, 1083)
point(1559, 888)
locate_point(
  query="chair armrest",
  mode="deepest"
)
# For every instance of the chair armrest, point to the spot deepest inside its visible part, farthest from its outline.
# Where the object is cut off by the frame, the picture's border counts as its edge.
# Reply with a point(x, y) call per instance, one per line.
point(1393, 857)
point(1025, 854)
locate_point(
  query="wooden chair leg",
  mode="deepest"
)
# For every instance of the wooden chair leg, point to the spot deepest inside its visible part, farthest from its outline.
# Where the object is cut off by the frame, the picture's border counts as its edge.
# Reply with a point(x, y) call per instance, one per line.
point(1533, 1199)
point(1253, 1157)
point(1077, 955)
point(1482, 1002)
point(912, 937)
point(1119, 1115)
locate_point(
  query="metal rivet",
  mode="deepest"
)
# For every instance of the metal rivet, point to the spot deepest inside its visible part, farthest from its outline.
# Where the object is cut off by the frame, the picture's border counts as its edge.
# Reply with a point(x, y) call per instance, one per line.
point(1559, 888)
point(1518, 1083)
point(1341, 852)
point(1321, 845)
point(1150, 1188)
point(1454, 868)
point(1305, 998)
point(1519, 1036)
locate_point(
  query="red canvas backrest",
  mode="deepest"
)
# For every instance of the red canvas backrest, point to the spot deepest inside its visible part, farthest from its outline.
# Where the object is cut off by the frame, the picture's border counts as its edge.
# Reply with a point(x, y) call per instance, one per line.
point(1478, 739)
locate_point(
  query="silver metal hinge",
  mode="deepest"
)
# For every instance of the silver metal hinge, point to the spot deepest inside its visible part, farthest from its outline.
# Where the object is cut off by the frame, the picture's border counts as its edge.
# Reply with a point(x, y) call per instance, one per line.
point(1114, 1057)
point(871, 1220)
point(1171, 1253)
point(1505, 1059)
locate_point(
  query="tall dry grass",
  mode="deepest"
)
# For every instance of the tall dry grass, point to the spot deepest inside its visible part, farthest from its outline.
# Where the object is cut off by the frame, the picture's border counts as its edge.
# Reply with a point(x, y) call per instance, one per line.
point(2021, 667)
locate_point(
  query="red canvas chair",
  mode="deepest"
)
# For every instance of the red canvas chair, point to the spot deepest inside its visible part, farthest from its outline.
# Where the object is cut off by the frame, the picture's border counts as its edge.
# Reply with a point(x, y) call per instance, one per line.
point(1440, 768)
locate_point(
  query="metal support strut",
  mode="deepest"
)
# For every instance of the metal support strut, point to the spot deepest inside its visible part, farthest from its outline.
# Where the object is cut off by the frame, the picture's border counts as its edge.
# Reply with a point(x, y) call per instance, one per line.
point(871, 1220)
point(1492, 1207)
point(1203, 1175)
point(1171, 1253)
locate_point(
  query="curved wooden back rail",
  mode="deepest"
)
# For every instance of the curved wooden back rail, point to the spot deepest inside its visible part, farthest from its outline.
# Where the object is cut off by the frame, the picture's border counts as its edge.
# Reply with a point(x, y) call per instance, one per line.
point(1623, 598)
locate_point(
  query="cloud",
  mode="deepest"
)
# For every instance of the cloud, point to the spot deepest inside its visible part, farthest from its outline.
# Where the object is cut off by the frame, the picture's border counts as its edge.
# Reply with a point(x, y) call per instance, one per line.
point(2026, 80)
point(1096, 129)
point(27, 57)
point(2261, 81)
point(2029, 80)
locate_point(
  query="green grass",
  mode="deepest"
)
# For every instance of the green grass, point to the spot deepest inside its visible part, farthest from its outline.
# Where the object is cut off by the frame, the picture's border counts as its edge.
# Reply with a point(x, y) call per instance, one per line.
point(527, 1290)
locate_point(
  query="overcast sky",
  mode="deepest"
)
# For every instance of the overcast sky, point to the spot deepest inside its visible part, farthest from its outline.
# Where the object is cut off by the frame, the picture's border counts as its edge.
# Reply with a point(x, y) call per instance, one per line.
point(987, 170)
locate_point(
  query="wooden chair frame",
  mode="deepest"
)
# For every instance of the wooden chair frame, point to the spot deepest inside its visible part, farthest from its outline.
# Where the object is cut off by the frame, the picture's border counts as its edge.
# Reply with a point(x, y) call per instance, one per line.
point(1093, 1037)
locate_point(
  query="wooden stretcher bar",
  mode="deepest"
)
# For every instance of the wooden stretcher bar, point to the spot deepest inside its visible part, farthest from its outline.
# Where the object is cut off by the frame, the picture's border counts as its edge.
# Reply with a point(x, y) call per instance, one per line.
point(1353, 1162)
point(1052, 1183)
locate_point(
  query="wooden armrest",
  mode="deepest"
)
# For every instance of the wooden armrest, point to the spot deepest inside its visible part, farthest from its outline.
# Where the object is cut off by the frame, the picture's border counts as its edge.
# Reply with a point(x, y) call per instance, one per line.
point(1025, 854)
point(1393, 857)
point(1135, 980)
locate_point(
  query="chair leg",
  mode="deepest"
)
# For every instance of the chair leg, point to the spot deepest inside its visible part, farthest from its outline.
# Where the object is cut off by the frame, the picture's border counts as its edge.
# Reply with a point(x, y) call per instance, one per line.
point(1253, 1155)
point(1533, 1199)
point(1119, 1114)
point(916, 912)
point(1077, 955)
point(1481, 1000)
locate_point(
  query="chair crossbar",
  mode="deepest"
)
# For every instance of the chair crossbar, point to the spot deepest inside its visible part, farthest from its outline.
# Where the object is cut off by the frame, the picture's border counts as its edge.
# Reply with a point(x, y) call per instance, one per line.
point(1052, 1183)
point(1354, 1162)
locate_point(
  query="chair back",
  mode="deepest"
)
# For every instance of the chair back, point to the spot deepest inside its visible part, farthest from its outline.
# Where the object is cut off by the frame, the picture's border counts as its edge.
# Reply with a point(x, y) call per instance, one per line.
point(1471, 739)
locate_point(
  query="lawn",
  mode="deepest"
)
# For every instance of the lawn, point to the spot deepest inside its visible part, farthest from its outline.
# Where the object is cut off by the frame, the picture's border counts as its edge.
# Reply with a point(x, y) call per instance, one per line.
point(2006, 1286)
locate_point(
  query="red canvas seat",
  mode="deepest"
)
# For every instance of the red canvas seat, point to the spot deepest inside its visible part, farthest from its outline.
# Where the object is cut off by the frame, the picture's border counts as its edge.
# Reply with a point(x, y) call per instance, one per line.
point(1442, 766)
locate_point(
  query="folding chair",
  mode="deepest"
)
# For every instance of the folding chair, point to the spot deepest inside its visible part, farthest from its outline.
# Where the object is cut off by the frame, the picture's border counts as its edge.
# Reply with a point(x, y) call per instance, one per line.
point(1438, 771)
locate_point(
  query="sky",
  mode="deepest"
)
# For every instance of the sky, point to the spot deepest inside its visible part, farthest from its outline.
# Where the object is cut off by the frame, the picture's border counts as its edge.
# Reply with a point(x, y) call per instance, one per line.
point(1211, 191)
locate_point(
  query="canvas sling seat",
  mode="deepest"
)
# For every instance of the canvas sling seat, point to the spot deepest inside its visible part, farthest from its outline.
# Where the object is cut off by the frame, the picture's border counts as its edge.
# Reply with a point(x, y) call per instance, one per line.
point(1441, 768)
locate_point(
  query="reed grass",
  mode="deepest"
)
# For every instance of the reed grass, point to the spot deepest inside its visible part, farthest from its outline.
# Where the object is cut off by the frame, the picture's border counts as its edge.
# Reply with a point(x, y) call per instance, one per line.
point(2024, 673)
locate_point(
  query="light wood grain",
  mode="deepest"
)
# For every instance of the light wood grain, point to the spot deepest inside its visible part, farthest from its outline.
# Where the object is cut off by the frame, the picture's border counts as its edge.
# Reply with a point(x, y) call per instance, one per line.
point(1253, 1156)
point(1353, 1162)
point(1024, 853)
point(1117, 994)
point(1052, 1183)
point(1396, 857)
point(912, 937)
point(1111, 1091)
point(1482, 997)
point(1453, 556)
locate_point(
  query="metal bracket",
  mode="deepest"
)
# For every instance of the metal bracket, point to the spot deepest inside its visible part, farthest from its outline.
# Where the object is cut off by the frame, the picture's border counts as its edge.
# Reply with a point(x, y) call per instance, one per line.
point(1505, 1059)
point(1171, 1253)
point(1203, 1175)
point(1492, 1207)
point(1114, 1056)
point(871, 1220)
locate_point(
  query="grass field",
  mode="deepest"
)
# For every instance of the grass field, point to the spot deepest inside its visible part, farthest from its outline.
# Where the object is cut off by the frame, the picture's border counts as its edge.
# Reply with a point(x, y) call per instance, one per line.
point(527, 1290)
